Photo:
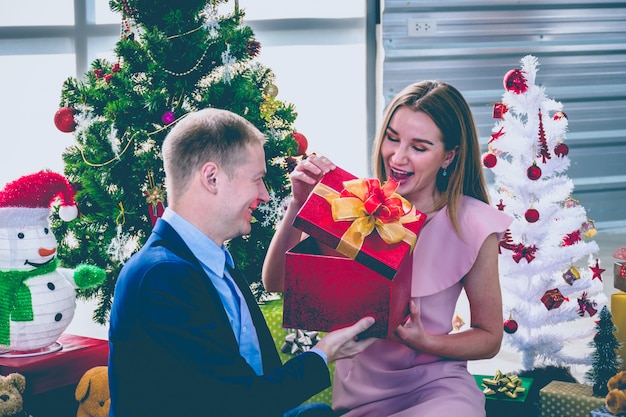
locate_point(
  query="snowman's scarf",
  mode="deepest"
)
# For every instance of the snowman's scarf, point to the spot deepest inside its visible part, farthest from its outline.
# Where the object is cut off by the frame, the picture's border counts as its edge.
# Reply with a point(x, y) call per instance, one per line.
point(16, 302)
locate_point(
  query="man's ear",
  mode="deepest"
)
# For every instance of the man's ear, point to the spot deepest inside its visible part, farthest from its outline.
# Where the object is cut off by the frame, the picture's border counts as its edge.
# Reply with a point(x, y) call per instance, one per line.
point(209, 177)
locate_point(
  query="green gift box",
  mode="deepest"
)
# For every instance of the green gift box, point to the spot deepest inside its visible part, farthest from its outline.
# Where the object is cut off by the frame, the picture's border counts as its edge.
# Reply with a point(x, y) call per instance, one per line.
point(499, 404)
point(568, 399)
point(273, 312)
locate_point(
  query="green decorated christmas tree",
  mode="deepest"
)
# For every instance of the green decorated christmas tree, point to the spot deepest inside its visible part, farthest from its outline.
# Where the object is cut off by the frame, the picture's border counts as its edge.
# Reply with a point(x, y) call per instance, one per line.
point(605, 361)
point(173, 57)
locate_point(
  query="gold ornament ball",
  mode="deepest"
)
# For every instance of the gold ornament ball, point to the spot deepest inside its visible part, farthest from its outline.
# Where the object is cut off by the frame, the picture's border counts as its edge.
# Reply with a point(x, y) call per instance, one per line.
point(271, 90)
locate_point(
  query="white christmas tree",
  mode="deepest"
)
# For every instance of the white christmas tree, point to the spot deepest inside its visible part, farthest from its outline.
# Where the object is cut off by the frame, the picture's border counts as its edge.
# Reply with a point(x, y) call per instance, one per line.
point(550, 277)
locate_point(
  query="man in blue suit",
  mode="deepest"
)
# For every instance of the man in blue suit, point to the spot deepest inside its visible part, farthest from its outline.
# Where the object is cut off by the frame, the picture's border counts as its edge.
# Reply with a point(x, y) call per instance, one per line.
point(187, 337)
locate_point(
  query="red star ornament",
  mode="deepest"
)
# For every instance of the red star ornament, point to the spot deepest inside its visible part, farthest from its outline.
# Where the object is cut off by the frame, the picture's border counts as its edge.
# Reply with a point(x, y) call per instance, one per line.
point(597, 271)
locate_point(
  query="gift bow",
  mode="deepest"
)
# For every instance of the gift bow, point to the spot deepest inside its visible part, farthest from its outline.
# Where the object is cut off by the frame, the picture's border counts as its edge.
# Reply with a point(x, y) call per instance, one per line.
point(369, 206)
point(520, 251)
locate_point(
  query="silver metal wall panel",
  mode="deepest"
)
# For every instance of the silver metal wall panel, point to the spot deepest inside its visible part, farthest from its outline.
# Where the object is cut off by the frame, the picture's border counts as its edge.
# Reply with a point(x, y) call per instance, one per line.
point(581, 47)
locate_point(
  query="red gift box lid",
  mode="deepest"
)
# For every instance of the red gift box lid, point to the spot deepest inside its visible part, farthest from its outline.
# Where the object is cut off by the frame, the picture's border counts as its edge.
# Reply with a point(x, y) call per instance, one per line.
point(315, 218)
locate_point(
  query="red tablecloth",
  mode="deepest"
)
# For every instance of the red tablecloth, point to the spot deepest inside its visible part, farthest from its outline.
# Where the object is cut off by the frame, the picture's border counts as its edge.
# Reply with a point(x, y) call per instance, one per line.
point(58, 369)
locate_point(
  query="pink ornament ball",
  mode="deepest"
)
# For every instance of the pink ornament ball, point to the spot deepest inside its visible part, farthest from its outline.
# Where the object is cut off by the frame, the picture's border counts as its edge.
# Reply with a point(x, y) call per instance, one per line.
point(168, 117)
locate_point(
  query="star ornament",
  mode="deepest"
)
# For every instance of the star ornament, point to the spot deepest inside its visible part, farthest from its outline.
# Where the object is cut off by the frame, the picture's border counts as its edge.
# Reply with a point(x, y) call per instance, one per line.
point(155, 195)
point(597, 271)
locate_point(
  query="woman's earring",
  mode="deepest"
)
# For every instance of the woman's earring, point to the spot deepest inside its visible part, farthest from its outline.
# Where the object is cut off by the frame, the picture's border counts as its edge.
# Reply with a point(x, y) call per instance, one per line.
point(445, 171)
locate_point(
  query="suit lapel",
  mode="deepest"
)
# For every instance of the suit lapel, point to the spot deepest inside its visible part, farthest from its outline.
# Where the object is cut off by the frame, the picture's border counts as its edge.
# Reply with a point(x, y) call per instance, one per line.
point(269, 354)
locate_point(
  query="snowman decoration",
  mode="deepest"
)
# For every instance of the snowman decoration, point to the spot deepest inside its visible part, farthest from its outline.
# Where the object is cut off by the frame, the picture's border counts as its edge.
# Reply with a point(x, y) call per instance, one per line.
point(37, 297)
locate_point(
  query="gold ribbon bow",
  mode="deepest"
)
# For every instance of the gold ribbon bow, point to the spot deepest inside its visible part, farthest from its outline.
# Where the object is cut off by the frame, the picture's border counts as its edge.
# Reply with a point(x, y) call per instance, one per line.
point(368, 206)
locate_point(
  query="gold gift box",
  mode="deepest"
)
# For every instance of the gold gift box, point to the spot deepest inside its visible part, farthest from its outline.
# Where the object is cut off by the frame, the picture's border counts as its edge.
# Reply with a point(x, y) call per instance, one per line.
point(569, 399)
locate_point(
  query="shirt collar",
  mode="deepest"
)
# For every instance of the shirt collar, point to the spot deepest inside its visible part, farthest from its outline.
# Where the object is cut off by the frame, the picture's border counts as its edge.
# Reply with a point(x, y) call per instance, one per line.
point(212, 256)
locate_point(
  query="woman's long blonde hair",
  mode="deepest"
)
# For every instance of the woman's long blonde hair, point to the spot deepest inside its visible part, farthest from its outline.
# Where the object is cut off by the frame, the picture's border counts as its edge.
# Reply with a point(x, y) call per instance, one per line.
point(448, 109)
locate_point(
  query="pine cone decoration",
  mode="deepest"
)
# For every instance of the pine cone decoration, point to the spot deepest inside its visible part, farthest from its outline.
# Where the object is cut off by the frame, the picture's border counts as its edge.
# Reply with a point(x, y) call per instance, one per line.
point(253, 47)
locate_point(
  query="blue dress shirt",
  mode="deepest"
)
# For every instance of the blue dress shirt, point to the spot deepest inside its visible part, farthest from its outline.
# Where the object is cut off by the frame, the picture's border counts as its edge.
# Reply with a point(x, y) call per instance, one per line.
point(214, 260)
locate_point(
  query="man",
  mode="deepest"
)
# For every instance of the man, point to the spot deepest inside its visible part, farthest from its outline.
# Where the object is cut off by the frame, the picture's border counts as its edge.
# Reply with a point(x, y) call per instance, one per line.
point(186, 336)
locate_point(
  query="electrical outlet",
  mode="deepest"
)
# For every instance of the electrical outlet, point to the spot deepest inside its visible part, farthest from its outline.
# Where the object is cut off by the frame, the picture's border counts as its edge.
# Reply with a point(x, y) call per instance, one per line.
point(420, 27)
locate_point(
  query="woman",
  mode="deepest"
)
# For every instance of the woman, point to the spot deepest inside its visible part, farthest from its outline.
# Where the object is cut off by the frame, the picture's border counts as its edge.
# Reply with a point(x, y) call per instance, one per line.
point(429, 145)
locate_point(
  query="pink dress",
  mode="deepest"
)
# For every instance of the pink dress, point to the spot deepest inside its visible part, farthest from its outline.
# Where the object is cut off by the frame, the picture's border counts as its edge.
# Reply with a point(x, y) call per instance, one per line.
point(391, 379)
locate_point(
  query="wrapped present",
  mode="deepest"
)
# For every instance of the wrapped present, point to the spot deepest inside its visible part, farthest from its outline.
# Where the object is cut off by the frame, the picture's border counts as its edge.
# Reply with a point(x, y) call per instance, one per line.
point(362, 220)
point(569, 399)
point(499, 109)
point(619, 275)
point(357, 259)
point(618, 312)
point(604, 412)
point(506, 394)
point(326, 292)
point(552, 298)
point(299, 341)
point(504, 386)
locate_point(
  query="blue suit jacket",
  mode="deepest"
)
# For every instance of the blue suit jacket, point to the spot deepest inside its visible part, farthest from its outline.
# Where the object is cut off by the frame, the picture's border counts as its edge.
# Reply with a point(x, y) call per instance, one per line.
point(173, 352)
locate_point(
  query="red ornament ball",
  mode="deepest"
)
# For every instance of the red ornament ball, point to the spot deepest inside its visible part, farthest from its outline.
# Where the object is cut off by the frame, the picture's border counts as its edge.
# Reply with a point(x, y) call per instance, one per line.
point(531, 215)
point(302, 142)
point(533, 172)
point(515, 81)
point(490, 160)
point(561, 149)
point(510, 326)
point(64, 119)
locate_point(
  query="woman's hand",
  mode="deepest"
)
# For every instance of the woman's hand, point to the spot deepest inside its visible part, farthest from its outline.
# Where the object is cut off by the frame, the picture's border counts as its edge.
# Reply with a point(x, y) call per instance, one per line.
point(306, 175)
point(303, 179)
point(412, 333)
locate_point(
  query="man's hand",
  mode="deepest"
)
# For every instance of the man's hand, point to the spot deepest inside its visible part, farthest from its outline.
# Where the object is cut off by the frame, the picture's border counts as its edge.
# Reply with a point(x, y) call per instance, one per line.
point(343, 343)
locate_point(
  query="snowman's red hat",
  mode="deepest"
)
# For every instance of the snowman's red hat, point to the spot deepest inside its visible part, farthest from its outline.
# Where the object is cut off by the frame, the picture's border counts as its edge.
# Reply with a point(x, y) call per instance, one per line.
point(27, 200)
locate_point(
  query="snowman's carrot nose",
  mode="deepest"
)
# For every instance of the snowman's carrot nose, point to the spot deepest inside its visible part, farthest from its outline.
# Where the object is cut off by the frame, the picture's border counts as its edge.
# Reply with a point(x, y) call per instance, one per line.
point(47, 252)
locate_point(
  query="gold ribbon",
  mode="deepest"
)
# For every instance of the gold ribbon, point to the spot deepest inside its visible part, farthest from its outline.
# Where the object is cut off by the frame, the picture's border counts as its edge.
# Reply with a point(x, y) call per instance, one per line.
point(368, 206)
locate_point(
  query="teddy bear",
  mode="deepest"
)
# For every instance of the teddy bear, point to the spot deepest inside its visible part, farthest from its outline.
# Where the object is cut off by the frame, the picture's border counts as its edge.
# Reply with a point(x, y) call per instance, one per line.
point(92, 393)
point(37, 296)
point(12, 387)
point(616, 398)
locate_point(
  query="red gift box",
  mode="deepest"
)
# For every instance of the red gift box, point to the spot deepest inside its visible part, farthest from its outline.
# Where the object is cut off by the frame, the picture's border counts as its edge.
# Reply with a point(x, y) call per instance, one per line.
point(331, 281)
point(619, 275)
point(316, 219)
point(325, 290)
point(499, 109)
point(552, 298)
